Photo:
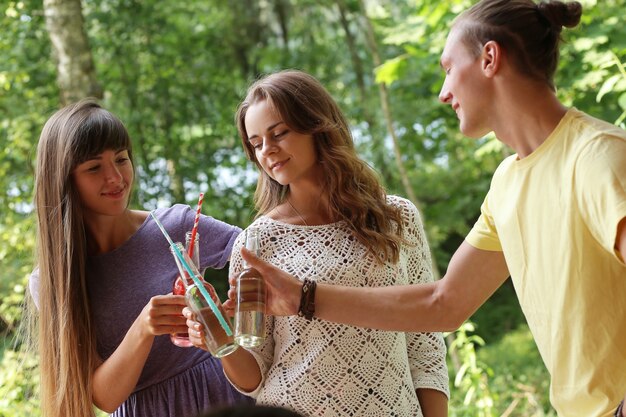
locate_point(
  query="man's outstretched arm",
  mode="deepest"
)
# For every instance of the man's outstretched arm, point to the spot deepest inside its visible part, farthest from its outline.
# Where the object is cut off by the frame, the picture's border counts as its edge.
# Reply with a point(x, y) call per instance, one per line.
point(473, 276)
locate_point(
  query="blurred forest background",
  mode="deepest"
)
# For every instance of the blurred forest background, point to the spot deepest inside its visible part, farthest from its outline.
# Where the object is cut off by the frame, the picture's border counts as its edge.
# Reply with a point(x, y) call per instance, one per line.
point(174, 72)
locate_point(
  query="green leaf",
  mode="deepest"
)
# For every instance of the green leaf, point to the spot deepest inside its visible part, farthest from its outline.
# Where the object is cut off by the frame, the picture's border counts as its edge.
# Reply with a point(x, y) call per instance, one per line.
point(622, 101)
point(607, 86)
point(390, 71)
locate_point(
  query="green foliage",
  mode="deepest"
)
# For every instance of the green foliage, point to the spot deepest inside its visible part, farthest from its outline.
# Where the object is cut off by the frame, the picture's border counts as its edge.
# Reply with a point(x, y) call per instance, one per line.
point(616, 83)
point(18, 385)
point(472, 379)
point(520, 381)
point(506, 378)
point(589, 72)
point(11, 309)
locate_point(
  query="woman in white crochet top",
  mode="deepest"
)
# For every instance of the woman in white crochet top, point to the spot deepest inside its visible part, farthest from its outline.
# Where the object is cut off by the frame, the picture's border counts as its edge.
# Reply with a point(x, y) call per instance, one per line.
point(324, 217)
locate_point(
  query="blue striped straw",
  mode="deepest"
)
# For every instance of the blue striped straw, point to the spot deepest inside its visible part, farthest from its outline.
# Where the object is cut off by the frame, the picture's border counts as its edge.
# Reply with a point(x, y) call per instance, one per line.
point(195, 279)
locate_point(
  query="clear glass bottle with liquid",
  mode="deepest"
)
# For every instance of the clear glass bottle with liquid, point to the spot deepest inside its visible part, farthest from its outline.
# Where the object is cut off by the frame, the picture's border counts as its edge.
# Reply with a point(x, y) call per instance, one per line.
point(250, 303)
point(182, 339)
point(218, 330)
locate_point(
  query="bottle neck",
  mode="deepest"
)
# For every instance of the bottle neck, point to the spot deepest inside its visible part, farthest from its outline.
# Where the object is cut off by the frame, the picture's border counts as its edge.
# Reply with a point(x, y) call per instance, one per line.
point(252, 240)
point(252, 243)
point(187, 281)
point(182, 270)
point(195, 255)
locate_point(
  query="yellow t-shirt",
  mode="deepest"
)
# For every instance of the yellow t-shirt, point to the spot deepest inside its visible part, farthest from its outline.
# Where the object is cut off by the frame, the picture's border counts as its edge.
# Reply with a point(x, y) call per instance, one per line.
point(554, 214)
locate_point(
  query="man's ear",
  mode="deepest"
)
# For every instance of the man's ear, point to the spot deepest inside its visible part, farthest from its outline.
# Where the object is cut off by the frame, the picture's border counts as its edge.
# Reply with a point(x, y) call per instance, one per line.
point(491, 57)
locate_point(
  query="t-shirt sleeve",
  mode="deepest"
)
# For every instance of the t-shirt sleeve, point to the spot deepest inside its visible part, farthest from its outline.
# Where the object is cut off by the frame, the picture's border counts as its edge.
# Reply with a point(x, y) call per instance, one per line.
point(216, 239)
point(484, 234)
point(600, 187)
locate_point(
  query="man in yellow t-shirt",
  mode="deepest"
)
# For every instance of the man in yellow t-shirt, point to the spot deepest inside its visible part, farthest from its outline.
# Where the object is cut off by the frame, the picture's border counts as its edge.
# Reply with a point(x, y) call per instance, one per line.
point(554, 215)
point(554, 218)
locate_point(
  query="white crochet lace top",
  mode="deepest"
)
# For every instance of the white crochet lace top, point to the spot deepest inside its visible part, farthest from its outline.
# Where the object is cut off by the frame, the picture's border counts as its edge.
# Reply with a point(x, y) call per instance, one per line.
point(319, 368)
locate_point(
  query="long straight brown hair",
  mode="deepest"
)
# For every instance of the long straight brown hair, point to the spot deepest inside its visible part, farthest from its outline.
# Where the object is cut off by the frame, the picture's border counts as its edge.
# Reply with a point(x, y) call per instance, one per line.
point(354, 190)
point(66, 336)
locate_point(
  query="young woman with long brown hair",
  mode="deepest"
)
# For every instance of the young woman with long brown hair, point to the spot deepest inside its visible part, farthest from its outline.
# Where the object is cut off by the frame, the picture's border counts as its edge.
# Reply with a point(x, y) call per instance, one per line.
point(324, 216)
point(103, 276)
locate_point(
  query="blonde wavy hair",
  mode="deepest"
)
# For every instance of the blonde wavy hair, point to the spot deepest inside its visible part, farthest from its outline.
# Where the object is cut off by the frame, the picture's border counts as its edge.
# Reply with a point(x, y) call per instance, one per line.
point(66, 337)
point(355, 193)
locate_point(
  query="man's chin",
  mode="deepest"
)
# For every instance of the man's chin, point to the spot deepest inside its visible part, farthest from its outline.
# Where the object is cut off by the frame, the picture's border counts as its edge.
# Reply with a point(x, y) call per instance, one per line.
point(474, 133)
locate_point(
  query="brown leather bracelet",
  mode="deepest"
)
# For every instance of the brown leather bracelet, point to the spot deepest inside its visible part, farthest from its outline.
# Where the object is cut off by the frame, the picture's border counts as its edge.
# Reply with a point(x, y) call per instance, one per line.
point(307, 299)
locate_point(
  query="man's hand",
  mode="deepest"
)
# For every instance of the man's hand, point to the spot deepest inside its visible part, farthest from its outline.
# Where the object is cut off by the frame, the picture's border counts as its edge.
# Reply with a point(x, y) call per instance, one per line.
point(283, 289)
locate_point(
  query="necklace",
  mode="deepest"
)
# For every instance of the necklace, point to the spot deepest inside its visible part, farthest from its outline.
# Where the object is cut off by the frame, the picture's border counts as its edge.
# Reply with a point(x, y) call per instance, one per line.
point(297, 212)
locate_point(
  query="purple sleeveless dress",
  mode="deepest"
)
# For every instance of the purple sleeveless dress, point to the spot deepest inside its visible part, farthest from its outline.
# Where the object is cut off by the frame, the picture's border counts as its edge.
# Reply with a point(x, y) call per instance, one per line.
point(175, 382)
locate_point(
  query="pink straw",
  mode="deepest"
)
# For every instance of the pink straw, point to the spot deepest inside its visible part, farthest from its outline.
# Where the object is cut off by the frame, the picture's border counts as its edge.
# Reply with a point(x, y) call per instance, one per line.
point(194, 230)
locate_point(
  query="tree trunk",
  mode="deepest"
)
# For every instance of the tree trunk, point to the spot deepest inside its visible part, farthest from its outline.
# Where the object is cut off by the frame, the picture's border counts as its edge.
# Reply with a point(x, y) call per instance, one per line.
point(386, 107)
point(249, 36)
point(172, 148)
point(359, 73)
point(280, 8)
point(76, 73)
point(384, 100)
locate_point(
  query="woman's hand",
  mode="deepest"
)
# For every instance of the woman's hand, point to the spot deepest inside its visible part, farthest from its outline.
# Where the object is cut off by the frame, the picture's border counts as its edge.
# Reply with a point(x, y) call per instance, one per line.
point(116, 377)
point(283, 289)
point(240, 366)
point(195, 329)
point(163, 315)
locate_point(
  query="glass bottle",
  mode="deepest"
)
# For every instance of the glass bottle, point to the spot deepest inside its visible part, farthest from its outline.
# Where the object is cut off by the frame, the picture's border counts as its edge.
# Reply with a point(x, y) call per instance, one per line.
point(218, 331)
point(182, 339)
point(250, 303)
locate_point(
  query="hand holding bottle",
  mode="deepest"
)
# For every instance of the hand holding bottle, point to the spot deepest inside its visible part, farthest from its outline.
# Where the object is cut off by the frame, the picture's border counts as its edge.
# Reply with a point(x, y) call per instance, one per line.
point(283, 289)
point(182, 339)
point(218, 335)
point(250, 299)
point(162, 315)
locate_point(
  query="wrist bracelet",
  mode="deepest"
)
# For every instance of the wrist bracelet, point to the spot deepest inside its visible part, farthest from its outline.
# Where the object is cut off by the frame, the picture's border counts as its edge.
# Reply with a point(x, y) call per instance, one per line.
point(307, 299)
point(618, 412)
